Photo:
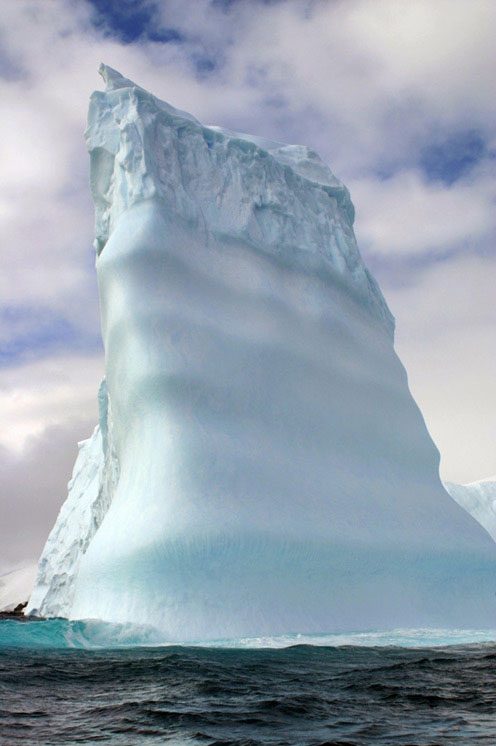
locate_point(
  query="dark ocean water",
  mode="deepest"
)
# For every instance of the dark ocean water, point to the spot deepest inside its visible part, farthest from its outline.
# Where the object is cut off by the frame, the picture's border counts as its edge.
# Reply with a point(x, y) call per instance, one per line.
point(297, 695)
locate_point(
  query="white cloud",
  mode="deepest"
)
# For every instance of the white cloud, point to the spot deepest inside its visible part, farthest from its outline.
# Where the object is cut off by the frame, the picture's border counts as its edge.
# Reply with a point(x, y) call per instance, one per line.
point(381, 74)
point(446, 338)
point(53, 392)
point(406, 214)
point(441, 51)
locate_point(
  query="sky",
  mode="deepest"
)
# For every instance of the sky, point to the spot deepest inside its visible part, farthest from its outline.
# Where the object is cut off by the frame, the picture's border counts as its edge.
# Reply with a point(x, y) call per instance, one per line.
point(397, 96)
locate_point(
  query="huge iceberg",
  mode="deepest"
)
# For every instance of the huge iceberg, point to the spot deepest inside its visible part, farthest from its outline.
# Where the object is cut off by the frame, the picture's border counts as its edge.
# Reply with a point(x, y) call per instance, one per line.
point(260, 466)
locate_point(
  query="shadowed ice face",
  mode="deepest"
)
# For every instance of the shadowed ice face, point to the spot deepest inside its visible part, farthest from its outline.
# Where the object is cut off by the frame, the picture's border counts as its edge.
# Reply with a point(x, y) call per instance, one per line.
point(242, 389)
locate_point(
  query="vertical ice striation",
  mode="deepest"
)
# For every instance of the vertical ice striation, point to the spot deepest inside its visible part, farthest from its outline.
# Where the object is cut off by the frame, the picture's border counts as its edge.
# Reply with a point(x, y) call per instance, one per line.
point(274, 473)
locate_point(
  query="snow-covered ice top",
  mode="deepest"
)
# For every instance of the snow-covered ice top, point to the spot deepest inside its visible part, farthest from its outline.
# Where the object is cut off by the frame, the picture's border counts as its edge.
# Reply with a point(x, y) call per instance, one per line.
point(281, 199)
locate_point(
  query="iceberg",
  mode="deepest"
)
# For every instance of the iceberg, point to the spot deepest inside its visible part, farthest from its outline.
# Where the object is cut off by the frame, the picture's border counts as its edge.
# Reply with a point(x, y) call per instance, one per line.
point(478, 499)
point(260, 466)
point(15, 587)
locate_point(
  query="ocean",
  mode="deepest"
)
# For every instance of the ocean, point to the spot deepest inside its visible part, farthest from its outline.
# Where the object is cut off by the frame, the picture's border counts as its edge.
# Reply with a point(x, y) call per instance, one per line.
point(88, 683)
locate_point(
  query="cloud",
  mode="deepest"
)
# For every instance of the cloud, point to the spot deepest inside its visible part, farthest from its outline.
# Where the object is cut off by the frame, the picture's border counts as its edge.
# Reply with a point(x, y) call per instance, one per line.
point(382, 76)
point(34, 485)
point(49, 393)
point(407, 214)
point(46, 407)
point(446, 338)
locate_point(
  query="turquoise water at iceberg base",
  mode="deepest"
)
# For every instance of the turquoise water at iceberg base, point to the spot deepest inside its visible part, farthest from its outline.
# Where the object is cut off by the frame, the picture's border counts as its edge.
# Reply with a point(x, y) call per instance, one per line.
point(89, 682)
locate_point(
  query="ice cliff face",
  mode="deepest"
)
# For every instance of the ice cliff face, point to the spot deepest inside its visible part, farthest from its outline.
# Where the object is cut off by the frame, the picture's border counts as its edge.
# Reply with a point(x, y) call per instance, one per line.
point(269, 470)
point(90, 494)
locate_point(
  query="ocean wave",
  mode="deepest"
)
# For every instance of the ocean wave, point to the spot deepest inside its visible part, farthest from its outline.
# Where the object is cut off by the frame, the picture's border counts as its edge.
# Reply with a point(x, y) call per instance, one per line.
point(94, 634)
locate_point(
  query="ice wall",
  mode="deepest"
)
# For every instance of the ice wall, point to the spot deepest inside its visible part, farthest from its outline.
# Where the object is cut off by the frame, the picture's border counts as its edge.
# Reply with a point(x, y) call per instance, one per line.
point(272, 471)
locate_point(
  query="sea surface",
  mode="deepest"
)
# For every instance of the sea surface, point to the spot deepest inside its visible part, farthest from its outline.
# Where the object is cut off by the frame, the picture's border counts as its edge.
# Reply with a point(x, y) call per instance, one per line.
point(88, 683)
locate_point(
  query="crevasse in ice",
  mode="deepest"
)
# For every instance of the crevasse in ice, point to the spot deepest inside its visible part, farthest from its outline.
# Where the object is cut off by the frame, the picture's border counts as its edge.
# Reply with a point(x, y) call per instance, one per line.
point(269, 472)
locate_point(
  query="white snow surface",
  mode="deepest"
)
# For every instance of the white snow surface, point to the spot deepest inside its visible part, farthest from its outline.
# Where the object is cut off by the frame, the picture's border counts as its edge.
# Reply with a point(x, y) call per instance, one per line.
point(478, 499)
point(266, 470)
point(15, 586)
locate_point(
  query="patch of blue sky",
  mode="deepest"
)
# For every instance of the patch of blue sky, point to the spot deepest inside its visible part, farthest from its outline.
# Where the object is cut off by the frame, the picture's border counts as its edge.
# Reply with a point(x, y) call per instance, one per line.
point(445, 157)
point(450, 158)
point(28, 333)
point(204, 65)
point(130, 20)
point(10, 68)
point(228, 4)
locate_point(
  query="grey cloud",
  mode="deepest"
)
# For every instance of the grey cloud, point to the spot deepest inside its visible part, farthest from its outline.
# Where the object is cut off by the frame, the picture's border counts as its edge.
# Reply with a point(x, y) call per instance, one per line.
point(446, 337)
point(34, 485)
